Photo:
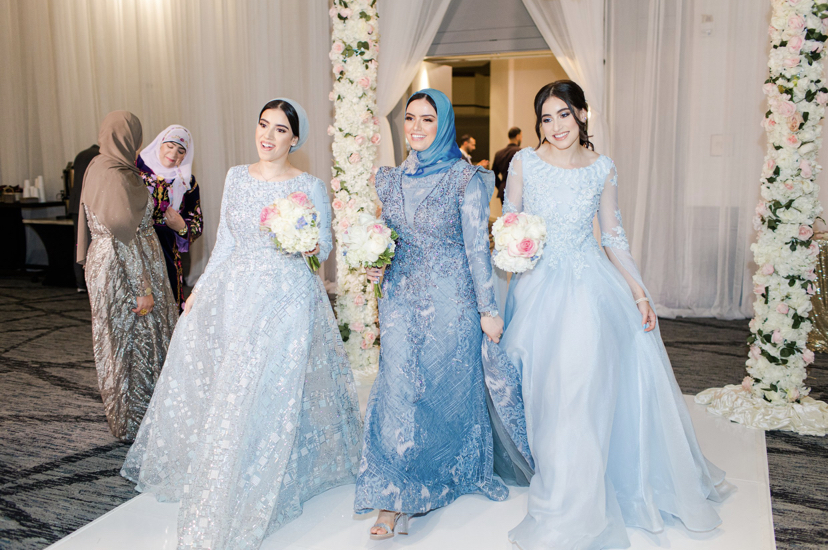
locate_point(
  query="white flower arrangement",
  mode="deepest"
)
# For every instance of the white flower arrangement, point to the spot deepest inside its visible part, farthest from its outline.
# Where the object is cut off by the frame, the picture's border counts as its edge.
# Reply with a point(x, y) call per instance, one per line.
point(369, 243)
point(518, 240)
point(355, 43)
point(293, 224)
point(784, 250)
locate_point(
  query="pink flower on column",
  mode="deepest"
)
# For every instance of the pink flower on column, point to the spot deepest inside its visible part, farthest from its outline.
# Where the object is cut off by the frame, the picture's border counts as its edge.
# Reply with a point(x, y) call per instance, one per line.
point(345, 12)
point(796, 23)
point(767, 269)
point(792, 140)
point(813, 249)
point(359, 300)
point(365, 82)
point(821, 98)
point(375, 139)
point(357, 326)
point(777, 337)
point(338, 47)
point(782, 308)
point(755, 352)
point(336, 184)
point(794, 394)
point(747, 383)
point(331, 130)
point(805, 232)
point(370, 337)
point(810, 275)
point(344, 224)
point(354, 158)
point(337, 204)
point(811, 290)
point(795, 44)
point(805, 169)
point(337, 69)
point(786, 108)
point(359, 140)
point(808, 356)
point(758, 289)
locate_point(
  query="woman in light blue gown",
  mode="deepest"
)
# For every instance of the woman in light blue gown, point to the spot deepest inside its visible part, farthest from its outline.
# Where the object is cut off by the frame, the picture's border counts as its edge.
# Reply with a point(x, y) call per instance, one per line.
point(428, 435)
point(608, 427)
point(255, 411)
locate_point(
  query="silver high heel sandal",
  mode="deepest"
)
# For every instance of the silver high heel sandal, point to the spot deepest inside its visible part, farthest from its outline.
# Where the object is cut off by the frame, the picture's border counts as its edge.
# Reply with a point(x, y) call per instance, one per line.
point(400, 526)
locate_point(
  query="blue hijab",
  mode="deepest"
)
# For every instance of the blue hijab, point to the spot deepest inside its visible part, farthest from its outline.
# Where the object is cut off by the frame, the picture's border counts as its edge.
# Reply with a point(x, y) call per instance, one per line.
point(442, 153)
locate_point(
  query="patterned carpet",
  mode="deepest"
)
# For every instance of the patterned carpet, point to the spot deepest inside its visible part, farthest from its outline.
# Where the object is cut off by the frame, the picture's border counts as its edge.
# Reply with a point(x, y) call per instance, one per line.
point(59, 464)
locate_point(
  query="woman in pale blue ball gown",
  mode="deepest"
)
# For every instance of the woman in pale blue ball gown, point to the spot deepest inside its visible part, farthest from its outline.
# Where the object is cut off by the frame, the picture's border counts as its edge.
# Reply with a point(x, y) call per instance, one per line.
point(428, 434)
point(255, 411)
point(608, 427)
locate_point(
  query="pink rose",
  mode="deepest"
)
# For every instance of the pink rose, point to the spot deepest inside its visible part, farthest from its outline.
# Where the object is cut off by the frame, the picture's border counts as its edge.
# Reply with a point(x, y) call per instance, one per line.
point(782, 308)
point(372, 178)
point(755, 352)
point(805, 232)
point(771, 30)
point(510, 219)
point(375, 139)
point(776, 338)
point(376, 121)
point(808, 356)
point(796, 22)
point(337, 204)
point(767, 269)
point(331, 96)
point(331, 130)
point(369, 337)
point(747, 383)
point(795, 44)
point(816, 47)
point(758, 289)
point(338, 69)
point(365, 82)
point(811, 290)
point(268, 213)
point(333, 11)
point(369, 29)
point(344, 224)
point(791, 62)
point(788, 186)
point(345, 12)
point(821, 98)
point(338, 47)
point(377, 228)
point(527, 248)
point(359, 140)
point(359, 300)
point(354, 158)
point(762, 209)
point(786, 108)
point(336, 184)
point(813, 250)
point(299, 198)
point(357, 327)
point(753, 324)
point(810, 275)
point(363, 344)
point(770, 164)
point(805, 169)
point(351, 203)
point(794, 122)
point(374, 169)
point(366, 118)
point(792, 140)
point(793, 395)
point(769, 88)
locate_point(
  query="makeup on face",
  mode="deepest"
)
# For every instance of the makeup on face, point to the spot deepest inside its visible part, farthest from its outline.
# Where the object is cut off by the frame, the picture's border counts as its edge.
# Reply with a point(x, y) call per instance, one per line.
point(560, 128)
point(171, 154)
point(420, 124)
point(273, 135)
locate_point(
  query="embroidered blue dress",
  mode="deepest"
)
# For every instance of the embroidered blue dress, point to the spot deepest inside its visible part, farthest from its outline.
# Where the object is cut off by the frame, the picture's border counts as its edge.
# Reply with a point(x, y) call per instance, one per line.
point(608, 427)
point(255, 411)
point(428, 437)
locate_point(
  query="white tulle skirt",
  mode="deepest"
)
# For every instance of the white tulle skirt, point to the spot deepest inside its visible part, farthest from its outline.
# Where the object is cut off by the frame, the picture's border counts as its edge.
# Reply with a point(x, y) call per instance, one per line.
point(608, 428)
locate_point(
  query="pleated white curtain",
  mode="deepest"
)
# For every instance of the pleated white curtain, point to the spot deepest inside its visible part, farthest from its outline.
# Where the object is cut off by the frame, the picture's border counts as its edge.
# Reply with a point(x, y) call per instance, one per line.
point(407, 29)
point(574, 31)
point(207, 64)
point(685, 103)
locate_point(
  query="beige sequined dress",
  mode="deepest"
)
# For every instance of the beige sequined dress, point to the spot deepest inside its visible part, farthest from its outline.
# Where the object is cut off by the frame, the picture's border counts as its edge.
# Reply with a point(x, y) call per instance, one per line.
point(129, 349)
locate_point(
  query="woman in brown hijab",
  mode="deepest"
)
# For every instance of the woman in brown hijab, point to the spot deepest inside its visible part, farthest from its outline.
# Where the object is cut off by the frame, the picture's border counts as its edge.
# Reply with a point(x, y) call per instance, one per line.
point(133, 309)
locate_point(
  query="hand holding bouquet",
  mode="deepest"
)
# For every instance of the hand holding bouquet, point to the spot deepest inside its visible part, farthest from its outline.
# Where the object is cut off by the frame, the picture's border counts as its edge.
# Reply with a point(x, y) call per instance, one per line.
point(519, 240)
point(369, 243)
point(293, 224)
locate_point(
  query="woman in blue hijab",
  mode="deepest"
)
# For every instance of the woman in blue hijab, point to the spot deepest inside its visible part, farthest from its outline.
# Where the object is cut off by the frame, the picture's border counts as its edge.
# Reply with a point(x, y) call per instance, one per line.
point(428, 435)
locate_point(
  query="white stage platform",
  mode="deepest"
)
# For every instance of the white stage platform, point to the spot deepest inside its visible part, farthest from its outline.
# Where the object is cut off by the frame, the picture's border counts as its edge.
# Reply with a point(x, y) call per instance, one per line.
point(472, 522)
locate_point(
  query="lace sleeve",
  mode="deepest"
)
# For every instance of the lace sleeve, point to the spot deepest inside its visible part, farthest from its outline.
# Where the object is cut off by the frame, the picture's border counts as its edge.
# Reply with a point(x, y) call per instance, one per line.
point(320, 199)
point(225, 243)
point(513, 201)
point(613, 237)
point(475, 219)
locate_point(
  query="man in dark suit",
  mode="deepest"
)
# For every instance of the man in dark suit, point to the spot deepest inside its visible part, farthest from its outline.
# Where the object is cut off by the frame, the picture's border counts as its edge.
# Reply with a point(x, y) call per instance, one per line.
point(503, 158)
point(81, 162)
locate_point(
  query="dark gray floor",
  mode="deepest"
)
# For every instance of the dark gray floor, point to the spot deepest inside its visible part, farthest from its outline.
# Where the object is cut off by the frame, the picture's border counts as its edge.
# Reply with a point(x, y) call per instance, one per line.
point(59, 464)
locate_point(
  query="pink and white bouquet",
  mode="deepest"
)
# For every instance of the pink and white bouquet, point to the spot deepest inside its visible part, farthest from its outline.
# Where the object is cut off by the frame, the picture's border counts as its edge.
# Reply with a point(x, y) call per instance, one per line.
point(519, 240)
point(293, 224)
point(369, 243)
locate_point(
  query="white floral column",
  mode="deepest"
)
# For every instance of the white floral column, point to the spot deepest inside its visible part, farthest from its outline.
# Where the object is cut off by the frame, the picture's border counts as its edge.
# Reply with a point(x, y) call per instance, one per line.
point(773, 396)
point(356, 135)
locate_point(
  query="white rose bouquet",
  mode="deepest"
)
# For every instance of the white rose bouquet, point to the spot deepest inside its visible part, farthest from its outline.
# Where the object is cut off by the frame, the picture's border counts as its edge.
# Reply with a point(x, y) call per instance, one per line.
point(369, 243)
point(293, 224)
point(519, 240)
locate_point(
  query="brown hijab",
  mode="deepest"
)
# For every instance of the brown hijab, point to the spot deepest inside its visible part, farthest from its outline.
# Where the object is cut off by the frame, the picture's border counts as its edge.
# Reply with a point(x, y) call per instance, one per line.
point(112, 187)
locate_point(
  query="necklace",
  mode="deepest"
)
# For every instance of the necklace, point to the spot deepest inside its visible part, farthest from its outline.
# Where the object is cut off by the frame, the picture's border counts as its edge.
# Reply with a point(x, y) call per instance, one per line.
point(273, 177)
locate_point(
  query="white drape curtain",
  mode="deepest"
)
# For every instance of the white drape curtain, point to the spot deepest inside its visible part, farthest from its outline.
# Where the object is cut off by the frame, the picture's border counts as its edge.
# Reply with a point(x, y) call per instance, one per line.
point(209, 65)
point(685, 104)
point(407, 29)
point(574, 31)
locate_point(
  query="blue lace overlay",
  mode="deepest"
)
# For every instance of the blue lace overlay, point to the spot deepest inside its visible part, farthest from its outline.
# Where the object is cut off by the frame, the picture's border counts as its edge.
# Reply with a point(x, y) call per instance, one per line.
point(428, 436)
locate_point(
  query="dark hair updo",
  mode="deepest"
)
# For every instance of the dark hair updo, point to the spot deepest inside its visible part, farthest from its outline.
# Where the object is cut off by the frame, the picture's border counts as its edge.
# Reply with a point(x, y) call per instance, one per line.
point(421, 95)
point(287, 108)
point(571, 94)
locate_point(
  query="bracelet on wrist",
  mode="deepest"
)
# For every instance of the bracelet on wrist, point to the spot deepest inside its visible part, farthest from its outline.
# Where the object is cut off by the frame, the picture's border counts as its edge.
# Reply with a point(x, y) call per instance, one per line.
point(492, 313)
point(645, 299)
